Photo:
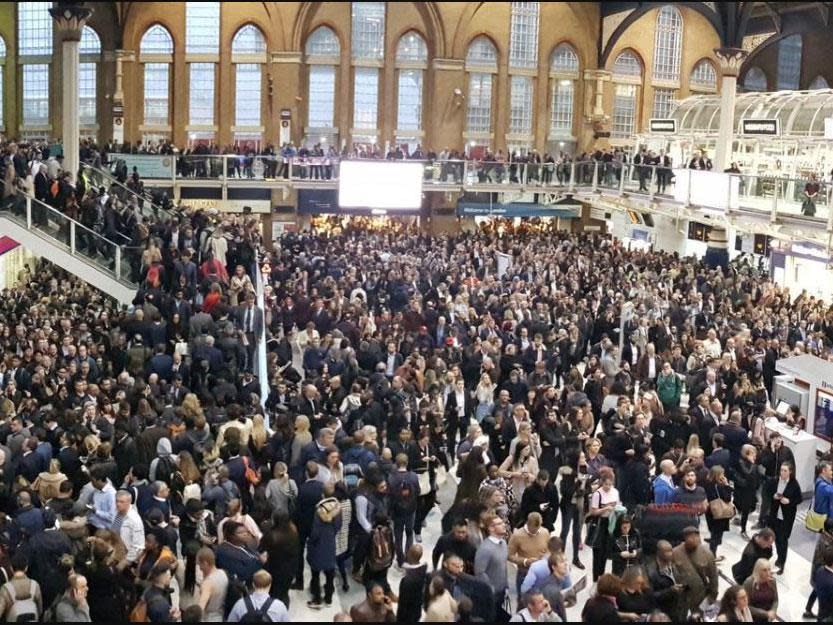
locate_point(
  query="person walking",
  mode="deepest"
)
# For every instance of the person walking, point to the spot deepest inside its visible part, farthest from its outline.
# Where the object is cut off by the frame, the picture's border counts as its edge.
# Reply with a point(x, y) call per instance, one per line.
point(403, 485)
point(785, 494)
point(490, 563)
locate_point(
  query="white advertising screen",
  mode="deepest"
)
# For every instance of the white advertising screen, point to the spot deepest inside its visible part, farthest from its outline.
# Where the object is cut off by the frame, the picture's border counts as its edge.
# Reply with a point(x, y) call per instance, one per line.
point(380, 185)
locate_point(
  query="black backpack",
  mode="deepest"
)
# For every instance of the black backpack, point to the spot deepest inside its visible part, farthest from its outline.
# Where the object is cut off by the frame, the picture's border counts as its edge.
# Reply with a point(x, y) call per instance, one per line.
point(261, 615)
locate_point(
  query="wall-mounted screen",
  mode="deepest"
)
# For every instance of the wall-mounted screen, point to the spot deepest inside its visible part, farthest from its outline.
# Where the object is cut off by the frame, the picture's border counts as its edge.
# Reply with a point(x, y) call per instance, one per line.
point(380, 184)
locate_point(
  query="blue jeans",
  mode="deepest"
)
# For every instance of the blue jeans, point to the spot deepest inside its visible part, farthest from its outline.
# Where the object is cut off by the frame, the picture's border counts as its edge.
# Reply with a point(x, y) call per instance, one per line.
point(400, 525)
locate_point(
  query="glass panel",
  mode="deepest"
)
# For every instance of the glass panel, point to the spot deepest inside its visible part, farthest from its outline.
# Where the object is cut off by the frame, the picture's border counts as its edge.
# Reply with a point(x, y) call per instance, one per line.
point(754, 80)
point(247, 94)
point(412, 47)
point(561, 121)
point(668, 44)
point(248, 40)
point(157, 40)
point(664, 102)
point(523, 35)
point(789, 62)
point(2, 48)
point(202, 27)
point(35, 94)
point(627, 64)
point(704, 75)
point(156, 93)
point(409, 112)
point(482, 53)
point(87, 92)
point(480, 103)
point(366, 97)
point(368, 19)
point(201, 105)
point(624, 111)
point(34, 28)
point(323, 43)
point(90, 43)
point(564, 59)
point(520, 115)
point(322, 93)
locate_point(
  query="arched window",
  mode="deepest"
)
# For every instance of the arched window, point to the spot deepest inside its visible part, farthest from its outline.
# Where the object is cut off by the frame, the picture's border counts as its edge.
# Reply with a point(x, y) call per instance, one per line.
point(668, 44)
point(481, 65)
point(248, 55)
point(627, 79)
point(703, 76)
point(34, 46)
point(323, 52)
point(202, 53)
point(819, 82)
point(789, 62)
point(156, 55)
point(523, 57)
point(411, 63)
point(368, 52)
point(754, 80)
point(564, 71)
point(90, 50)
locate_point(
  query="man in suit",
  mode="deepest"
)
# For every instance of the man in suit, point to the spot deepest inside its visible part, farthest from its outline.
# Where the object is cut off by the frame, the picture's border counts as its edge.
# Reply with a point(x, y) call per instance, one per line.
point(211, 354)
point(309, 494)
point(161, 363)
point(179, 305)
point(250, 320)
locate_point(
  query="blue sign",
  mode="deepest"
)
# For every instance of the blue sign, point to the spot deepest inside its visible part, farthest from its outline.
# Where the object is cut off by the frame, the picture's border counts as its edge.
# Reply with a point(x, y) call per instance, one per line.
point(517, 209)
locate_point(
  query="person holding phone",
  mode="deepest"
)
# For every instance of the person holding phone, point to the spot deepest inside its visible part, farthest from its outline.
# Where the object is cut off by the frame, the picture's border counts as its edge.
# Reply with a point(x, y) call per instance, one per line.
point(602, 504)
point(784, 493)
point(376, 607)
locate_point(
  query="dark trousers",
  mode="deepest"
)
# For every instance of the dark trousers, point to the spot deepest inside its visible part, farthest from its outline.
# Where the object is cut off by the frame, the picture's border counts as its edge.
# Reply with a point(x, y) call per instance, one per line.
point(329, 586)
point(569, 516)
point(403, 525)
point(302, 541)
point(380, 577)
point(360, 550)
point(715, 540)
point(424, 506)
point(600, 551)
point(782, 540)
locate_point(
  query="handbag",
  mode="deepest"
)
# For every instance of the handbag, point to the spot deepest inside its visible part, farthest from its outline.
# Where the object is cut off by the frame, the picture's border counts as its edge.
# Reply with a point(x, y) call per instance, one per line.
point(814, 521)
point(721, 509)
point(252, 476)
point(424, 483)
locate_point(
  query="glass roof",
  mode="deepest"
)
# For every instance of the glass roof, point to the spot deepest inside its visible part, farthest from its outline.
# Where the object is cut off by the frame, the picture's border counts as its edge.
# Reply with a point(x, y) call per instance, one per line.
point(801, 113)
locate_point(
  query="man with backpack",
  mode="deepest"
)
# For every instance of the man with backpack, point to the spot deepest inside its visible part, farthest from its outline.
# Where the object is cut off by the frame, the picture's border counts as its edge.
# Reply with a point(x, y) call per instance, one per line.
point(258, 606)
point(403, 485)
point(380, 555)
point(20, 597)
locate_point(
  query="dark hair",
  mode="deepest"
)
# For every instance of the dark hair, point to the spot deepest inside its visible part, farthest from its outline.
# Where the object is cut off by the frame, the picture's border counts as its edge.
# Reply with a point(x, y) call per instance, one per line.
point(609, 585)
point(730, 599)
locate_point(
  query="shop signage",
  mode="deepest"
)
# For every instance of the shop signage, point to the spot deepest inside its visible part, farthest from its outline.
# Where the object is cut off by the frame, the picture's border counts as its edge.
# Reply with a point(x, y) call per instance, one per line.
point(760, 127)
point(663, 126)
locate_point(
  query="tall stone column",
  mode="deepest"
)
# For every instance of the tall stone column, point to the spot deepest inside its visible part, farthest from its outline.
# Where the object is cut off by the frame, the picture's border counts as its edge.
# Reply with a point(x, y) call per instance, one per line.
point(121, 57)
point(730, 60)
point(70, 18)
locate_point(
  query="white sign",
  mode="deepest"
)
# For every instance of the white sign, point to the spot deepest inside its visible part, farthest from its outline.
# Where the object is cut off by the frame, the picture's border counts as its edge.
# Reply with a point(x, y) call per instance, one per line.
point(380, 184)
point(504, 261)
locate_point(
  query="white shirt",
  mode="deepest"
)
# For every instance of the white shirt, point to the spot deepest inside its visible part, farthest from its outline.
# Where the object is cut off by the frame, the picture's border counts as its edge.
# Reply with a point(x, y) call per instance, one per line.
point(133, 534)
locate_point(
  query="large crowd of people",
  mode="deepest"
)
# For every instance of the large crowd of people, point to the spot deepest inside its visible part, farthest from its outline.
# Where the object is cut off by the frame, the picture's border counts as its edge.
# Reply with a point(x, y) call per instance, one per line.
point(414, 390)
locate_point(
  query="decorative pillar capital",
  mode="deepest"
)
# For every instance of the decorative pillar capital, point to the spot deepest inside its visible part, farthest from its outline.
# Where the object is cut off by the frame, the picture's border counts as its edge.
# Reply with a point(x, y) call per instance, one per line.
point(70, 18)
point(730, 60)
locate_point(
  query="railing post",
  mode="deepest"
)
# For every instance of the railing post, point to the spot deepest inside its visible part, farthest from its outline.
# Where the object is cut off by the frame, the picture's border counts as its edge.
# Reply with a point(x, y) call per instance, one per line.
point(72, 238)
point(773, 217)
point(651, 187)
point(595, 175)
point(572, 183)
point(118, 262)
point(225, 167)
point(622, 171)
point(28, 212)
point(829, 208)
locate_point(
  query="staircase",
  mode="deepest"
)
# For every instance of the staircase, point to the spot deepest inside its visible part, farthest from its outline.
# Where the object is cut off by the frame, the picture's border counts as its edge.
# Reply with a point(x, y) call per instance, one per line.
point(67, 243)
point(97, 178)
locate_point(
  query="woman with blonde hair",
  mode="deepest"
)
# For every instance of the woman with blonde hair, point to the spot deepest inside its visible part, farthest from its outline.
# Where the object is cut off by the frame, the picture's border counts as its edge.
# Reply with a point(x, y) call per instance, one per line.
point(762, 592)
point(301, 439)
point(191, 406)
point(693, 443)
point(190, 476)
point(48, 482)
point(281, 491)
point(484, 394)
point(259, 438)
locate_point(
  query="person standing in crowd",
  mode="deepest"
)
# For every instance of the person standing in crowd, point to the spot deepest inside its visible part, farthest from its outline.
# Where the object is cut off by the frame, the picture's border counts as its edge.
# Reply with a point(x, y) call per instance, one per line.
point(785, 495)
point(603, 505)
point(490, 563)
point(697, 569)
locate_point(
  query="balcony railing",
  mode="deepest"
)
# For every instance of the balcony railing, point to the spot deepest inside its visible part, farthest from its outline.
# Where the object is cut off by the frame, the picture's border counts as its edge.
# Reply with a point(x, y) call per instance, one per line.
point(777, 195)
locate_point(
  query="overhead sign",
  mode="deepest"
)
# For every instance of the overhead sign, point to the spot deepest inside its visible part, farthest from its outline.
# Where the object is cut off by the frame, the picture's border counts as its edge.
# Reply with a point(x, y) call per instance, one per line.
point(760, 127)
point(148, 165)
point(663, 126)
point(515, 209)
point(229, 206)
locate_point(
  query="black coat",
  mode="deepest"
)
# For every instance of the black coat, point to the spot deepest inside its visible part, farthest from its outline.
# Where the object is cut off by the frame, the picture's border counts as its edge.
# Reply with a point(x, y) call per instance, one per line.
point(792, 493)
point(411, 592)
point(534, 497)
point(309, 494)
point(742, 569)
point(746, 479)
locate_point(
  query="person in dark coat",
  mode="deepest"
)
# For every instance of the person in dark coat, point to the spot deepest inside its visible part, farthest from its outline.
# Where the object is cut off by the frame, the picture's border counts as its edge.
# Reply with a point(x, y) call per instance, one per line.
point(746, 479)
point(309, 494)
point(542, 497)
point(321, 547)
point(717, 487)
point(412, 587)
point(234, 556)
point(759, 547)
point(784, 493)
point(601, 608)
point(44, 552)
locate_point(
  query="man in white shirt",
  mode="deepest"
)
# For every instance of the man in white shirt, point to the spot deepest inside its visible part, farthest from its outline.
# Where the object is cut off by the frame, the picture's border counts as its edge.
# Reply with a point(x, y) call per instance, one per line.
point(259, 603)
point(128, 525)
